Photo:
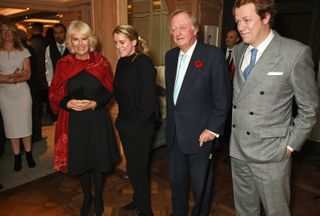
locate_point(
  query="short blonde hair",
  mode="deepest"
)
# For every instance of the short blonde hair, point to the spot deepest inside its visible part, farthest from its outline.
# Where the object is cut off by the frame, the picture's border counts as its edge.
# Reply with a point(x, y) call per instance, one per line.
point(78, 26)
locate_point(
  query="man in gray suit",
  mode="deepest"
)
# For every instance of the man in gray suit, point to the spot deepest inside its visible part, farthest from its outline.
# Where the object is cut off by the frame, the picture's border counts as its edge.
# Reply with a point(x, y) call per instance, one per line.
point(271, 71)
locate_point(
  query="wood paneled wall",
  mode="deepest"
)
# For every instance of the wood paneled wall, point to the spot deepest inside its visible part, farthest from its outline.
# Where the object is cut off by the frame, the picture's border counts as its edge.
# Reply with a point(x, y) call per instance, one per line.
point(106, 15)
point(82, 12)
point(208, 12)
point(152, 25)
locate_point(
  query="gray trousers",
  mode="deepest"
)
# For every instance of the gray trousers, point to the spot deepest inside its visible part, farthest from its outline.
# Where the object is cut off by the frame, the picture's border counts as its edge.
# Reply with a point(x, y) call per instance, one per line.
point(268, 183)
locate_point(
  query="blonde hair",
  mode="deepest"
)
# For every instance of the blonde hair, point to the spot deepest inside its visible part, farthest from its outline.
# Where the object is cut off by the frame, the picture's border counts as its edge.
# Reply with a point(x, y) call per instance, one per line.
point(16, 38)
point(132, 34)
point(78, 26)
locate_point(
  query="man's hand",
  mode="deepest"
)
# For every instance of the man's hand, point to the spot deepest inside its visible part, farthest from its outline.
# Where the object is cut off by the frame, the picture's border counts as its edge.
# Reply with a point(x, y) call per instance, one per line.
point(206, 136)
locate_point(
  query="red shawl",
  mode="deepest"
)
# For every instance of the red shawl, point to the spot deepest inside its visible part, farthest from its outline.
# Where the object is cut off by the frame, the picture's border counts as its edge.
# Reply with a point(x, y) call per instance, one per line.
point(66, 68)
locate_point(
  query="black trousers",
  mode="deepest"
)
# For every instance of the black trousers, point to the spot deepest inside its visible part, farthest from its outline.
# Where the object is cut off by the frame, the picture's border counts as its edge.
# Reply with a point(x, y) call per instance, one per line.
point(136, 139)
point(36, 118)
point(190, 168)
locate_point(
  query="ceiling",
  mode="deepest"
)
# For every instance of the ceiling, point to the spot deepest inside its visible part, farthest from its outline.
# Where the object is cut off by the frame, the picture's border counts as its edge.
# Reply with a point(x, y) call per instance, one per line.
point(47, 5)
point(19, 10)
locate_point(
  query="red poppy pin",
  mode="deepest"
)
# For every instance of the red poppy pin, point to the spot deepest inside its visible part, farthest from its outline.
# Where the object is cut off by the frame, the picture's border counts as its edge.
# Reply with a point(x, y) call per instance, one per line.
point(198, 64)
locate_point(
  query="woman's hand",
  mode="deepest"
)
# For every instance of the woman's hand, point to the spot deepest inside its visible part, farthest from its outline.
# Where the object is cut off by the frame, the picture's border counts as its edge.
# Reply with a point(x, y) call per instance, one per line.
point(90, 104)
point(8, 78)
point(17, 72)
point(81, 105)
point(21, 75)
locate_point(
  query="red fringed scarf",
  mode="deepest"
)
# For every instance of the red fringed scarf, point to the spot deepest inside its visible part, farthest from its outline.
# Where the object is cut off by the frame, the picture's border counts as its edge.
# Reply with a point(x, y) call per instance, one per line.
point(66, 68)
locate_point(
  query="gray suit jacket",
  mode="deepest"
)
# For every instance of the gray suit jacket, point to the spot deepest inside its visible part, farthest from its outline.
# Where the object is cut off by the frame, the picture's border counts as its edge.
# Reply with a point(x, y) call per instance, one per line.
point(262, 121)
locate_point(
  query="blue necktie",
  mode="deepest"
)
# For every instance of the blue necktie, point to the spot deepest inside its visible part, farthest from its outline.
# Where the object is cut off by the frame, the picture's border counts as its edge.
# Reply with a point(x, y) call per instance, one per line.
point(249, 68)
point(179, 78)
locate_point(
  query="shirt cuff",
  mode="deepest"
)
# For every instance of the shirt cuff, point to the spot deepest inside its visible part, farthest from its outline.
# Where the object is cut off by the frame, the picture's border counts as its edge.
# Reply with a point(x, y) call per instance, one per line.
point(216, 135)
point(290, 148)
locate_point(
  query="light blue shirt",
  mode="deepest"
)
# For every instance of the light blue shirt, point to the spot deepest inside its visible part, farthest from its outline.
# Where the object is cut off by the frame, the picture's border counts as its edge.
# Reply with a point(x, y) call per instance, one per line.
point(182, 69)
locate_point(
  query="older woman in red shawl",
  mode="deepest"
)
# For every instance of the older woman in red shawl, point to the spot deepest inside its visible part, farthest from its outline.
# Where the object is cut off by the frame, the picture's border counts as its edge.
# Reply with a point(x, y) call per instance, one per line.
point(80, 89)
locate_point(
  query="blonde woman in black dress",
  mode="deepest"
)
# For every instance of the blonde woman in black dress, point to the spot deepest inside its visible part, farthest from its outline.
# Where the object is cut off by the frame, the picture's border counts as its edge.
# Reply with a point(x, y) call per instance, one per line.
point(135, 93)
point(80, 89)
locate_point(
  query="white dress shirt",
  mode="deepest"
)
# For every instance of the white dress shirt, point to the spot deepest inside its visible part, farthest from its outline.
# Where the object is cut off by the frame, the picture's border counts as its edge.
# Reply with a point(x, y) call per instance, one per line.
point(48, 62)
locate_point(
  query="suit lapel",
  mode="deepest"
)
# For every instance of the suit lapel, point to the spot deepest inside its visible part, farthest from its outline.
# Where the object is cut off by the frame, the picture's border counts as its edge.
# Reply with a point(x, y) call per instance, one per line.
point(269, 58)
point(191, 73)
point(238, 58)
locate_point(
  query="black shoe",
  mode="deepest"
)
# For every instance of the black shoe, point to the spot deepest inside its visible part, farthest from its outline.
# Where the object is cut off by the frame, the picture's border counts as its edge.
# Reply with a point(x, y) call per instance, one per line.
point(85, 208)
point(30, 160)
point(317, 198)
point(1, 186)
point(129, 207)
point(98, 206)
point(17, 162)
point(141, 214)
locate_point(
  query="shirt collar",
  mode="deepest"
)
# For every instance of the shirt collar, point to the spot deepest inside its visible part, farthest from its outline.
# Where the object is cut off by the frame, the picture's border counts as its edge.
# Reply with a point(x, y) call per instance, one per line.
point(228, 49)
point(190, 51)
point(262, 46)
point(63, 44)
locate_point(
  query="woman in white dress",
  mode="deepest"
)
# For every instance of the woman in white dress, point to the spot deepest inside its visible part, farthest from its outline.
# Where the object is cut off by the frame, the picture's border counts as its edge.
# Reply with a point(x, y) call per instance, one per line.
point(15, 97)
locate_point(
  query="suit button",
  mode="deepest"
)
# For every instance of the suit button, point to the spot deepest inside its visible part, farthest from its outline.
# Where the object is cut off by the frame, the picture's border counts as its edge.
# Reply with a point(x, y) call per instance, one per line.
point(262, 93)
point(251, 113)
point(248, 133)
point(234, 106)
point(233, 125)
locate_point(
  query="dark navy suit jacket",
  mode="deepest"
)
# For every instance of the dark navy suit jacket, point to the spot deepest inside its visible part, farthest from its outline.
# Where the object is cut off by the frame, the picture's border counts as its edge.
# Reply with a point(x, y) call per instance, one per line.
point(204, 98)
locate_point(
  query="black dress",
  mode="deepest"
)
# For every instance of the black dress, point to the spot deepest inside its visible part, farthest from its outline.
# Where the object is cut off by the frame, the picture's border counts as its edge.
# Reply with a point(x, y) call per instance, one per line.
point(91, 137)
